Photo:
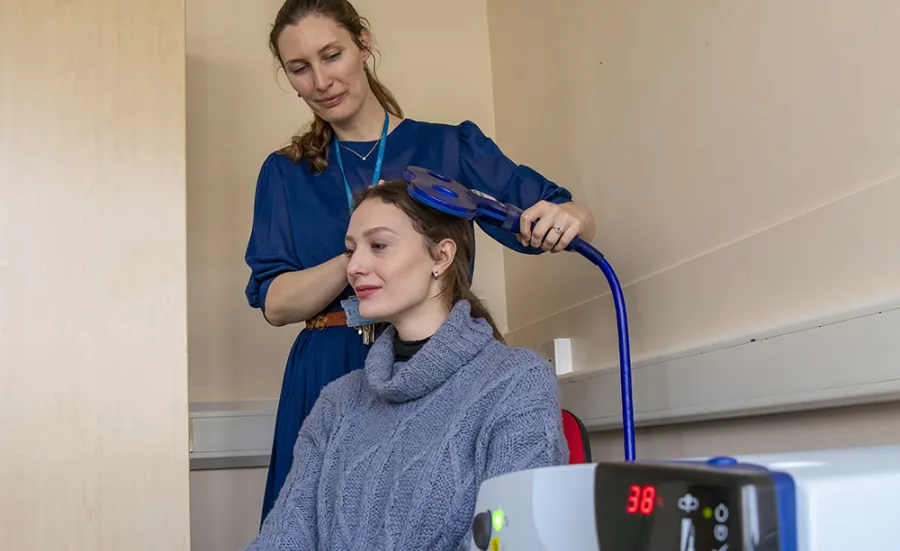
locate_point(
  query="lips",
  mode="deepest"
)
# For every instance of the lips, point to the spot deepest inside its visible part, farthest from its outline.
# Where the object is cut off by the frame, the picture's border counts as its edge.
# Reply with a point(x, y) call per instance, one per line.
point(331, 101)
point(365, 291)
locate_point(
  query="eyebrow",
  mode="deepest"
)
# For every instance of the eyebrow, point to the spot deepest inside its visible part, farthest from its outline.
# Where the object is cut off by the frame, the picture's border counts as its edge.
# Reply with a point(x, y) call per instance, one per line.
point(371, 231)
point(332, 44)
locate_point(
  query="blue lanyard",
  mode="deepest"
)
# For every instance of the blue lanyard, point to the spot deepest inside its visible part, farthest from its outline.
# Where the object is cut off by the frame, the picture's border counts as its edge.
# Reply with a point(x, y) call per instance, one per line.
point(377, 174)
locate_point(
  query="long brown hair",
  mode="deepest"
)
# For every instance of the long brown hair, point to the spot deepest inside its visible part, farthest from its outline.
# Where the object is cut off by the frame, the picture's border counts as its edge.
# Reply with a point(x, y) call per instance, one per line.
point(312, 145)
point(435, 226)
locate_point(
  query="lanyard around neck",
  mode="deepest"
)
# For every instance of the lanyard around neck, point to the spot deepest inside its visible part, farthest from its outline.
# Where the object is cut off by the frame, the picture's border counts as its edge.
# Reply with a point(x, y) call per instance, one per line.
point(377, 174)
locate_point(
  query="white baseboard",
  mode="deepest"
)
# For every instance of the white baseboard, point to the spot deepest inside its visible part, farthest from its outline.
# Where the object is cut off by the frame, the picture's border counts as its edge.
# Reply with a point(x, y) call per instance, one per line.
point(847, 359)
point(230, 435)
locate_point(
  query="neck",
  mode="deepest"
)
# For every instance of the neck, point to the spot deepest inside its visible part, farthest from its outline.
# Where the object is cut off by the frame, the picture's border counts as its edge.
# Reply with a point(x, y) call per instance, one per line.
point(365, 125)
point(421, 323)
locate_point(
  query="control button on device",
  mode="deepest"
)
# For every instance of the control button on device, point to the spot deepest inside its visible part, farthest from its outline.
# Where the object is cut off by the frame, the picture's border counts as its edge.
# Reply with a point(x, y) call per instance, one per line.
point(481, 530)
point(721, 461)
point(721, 513)
point(721, 532)
point(688, 503)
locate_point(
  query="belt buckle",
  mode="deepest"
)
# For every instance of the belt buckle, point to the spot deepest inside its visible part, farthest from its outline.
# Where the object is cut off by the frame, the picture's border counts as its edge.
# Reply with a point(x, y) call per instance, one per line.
point(319, 322)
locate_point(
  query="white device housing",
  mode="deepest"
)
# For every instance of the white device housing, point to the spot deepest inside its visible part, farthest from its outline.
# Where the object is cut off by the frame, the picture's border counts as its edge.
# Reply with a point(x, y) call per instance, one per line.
point(543, 509)
point(846, 499)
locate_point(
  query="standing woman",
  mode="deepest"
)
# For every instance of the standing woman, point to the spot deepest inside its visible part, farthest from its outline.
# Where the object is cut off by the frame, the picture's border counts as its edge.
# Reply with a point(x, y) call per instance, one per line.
point(304, 193)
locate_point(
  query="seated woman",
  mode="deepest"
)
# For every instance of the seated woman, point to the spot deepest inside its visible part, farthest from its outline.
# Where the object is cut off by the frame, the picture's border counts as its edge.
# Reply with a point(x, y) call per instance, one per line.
point(392, 456)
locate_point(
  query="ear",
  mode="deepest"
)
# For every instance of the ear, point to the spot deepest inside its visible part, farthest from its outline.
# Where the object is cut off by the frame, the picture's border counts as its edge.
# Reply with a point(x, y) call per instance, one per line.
point(443, 254)
point(366, 38)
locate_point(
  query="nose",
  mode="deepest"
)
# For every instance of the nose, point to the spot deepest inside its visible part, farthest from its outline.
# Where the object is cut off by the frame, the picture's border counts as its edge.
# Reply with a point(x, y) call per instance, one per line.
point(356, 267)
point(321, 80)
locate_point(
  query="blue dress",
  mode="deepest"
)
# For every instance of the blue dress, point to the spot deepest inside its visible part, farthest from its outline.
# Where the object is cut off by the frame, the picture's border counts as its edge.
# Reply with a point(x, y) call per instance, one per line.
point(300, 219)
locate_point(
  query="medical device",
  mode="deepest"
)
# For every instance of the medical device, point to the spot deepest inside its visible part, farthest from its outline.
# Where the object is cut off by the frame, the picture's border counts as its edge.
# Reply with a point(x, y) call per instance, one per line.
point(827, 500)
point(455, 199)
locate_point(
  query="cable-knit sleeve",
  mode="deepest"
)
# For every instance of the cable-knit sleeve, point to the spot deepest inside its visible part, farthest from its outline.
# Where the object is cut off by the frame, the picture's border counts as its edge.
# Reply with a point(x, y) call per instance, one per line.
point(525, 431)
point(292, 525)
point(270, 249)
point(484, 167)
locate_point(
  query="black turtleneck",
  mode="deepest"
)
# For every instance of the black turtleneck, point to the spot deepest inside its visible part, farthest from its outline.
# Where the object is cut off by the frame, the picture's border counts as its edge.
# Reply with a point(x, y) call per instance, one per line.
point(404, 350)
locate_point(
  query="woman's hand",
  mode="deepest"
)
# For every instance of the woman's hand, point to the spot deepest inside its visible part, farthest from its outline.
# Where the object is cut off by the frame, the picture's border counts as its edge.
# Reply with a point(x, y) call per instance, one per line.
point(557, 225)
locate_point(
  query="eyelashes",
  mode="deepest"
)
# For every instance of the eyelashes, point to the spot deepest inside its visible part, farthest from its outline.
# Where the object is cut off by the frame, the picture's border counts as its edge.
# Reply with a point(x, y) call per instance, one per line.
point(330, 58)
point(377, 247)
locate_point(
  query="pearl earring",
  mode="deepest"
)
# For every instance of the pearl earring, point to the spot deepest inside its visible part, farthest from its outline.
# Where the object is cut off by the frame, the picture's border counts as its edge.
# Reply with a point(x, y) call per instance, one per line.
point(435, 273)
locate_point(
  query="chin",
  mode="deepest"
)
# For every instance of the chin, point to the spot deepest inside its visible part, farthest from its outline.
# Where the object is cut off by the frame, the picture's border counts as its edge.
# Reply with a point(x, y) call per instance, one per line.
point(341, 112)
point(371, 310)
point(384, 308)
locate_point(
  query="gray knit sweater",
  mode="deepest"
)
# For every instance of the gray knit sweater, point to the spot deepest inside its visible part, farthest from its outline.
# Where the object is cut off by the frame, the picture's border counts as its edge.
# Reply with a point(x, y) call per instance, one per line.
point(391, 456)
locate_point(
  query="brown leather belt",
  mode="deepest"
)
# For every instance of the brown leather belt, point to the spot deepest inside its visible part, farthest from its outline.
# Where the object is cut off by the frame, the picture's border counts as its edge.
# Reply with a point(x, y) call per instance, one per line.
point(330, 319)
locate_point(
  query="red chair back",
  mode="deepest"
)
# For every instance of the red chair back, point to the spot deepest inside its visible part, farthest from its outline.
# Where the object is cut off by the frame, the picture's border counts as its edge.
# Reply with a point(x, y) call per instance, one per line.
point(577, 438)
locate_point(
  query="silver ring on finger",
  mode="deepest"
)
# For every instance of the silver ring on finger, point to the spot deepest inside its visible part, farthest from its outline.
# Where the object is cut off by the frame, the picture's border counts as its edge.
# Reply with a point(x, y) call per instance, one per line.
point(553, 237)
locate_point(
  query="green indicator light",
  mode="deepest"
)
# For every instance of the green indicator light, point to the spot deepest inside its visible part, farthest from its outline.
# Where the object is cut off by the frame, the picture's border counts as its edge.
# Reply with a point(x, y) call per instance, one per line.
point(498, 520)
point(707, 513)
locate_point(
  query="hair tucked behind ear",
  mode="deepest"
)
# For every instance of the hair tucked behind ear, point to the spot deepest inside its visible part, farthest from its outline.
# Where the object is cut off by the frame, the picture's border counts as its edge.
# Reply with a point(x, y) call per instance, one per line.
point(435, 226)
point(312, 145)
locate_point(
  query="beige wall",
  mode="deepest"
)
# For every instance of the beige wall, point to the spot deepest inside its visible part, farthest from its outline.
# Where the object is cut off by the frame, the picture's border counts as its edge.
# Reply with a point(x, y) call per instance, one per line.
point(728, 152)
point(93, 367)
point(240, 109)
point(742, 161)
point(434, 58)
point(236, 115)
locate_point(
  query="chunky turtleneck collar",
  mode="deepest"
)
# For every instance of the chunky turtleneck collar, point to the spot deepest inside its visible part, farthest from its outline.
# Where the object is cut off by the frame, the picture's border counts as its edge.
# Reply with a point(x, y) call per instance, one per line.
point(458, 340)
point(404, 350)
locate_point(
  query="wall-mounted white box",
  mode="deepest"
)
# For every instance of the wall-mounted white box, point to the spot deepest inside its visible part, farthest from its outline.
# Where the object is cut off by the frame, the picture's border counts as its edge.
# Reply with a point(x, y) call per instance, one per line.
point(559, 354)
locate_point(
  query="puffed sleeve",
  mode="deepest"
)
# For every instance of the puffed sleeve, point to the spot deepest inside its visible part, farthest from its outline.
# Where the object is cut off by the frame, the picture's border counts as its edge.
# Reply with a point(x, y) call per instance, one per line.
point(270, 250)
point(483, 167)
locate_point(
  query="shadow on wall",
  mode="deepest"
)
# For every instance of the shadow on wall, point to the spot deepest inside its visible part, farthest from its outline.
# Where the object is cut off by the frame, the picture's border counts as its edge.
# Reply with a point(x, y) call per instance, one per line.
point(226, 145)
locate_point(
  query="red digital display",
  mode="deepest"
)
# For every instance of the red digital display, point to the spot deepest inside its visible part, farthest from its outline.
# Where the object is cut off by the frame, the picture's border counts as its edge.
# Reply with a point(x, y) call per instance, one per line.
point(641, 499)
